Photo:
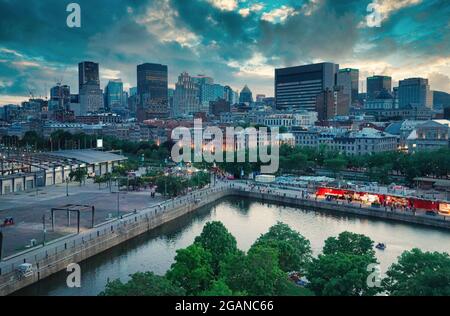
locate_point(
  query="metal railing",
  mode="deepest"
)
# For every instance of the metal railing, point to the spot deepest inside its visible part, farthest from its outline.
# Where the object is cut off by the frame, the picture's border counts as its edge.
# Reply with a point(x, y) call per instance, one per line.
point(41, 256)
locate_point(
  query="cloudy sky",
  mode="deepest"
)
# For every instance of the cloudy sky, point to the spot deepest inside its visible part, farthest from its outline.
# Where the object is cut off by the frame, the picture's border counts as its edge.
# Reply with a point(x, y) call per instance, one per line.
point(235, 41)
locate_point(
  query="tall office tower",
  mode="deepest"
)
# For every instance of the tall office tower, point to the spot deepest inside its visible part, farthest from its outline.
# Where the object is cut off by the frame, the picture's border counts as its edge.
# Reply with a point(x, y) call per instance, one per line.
point(377, 84)
point(152, 91)
point(297, 87)
point(210, 92)
point(246, 95)
point(202, 79)
point(91, 100)
point(330, 103)
point(90, 94)
point(88, 74)
point(114, 95)
point(170, 93)
point(348, 79)
point(415, 92)
point(230, 95)
point(185, 98)
point(60, 95)
point(125, 97)
point(133, 91)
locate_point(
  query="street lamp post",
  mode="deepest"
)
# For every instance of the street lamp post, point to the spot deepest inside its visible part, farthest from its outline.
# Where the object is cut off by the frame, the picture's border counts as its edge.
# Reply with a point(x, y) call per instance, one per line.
point(44, 229)
point(118, 204)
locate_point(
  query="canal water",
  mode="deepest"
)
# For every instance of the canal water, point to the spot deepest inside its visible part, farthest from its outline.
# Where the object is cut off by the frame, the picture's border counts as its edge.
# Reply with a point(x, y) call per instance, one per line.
point(246, 220)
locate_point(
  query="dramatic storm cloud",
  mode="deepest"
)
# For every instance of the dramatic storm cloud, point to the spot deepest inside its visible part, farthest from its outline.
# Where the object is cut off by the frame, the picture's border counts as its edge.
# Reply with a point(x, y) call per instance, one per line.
point(235, 41)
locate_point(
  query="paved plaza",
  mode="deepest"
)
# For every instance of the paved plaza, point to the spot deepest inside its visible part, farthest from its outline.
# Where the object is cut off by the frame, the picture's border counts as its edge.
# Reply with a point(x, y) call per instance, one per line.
point(28, 209)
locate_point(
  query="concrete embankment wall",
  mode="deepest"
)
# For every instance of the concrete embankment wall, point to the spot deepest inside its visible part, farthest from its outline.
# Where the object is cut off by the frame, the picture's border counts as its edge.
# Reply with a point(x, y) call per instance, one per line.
point(344, 207)
point(106, 236)
point(56, 257)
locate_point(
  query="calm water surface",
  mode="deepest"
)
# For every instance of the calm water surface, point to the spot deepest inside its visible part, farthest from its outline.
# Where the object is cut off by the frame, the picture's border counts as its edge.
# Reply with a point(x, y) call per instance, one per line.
point(246, 220)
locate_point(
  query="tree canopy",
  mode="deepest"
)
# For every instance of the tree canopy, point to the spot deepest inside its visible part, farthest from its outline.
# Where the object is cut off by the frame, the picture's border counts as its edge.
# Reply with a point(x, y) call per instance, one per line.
point(293, 250)
point(340, 274)
point(143, 284)
point(419, 273)
point(214, 266)
point(349, 243)
point(216, 239)
point(192, 269)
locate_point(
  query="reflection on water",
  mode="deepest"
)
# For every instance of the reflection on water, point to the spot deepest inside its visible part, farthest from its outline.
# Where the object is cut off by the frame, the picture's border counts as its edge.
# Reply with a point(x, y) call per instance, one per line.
point(246, 220)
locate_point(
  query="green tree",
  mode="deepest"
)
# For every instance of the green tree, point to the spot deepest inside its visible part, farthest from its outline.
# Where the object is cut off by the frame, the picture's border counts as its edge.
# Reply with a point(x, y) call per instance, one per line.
point(171, 184)
point(256, 273)
point(419, 273)
point(349, 243)
point(340, 274)
point(335, 164)
point(143, 284)
point(218, 288)
point(233, 270)
point(192, 269)
point(79, 175)
point(218, 241)
point(293, 250)
point(263, 275)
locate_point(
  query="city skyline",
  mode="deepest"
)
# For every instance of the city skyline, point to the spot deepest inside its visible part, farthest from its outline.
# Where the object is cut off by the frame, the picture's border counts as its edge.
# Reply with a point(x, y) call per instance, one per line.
point(411, 42)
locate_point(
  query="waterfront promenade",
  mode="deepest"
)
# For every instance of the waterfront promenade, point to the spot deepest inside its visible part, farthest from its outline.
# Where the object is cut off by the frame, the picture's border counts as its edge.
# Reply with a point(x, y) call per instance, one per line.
point(55, 256)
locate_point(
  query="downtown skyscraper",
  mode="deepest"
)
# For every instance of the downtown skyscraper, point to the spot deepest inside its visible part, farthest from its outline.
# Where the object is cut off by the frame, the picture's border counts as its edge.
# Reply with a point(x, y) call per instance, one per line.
point(152, 85)
point(378, 84)
point(348, 79)
point(296, 88)
point(114, 95)
point(90, 94)
point(186, 99)
point(415, 92)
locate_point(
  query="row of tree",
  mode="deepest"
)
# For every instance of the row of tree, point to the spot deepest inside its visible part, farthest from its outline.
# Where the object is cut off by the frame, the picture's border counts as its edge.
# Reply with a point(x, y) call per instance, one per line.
point(214, 266)
point(379, 167)
point(62, 140)
point(173, 185)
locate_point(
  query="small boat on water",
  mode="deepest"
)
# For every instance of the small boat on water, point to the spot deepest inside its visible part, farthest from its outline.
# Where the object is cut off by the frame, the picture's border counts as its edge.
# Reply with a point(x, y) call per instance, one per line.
point(380, 246)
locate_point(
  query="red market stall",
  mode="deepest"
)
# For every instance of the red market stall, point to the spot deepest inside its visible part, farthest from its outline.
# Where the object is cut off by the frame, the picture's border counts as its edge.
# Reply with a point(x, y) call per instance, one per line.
point(389, 200)
point(444, 208)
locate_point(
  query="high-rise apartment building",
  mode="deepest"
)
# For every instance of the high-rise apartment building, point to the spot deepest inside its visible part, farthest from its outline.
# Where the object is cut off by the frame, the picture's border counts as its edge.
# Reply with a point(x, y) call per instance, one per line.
point(152, 80)
point(297, 87)
point(414, 92)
